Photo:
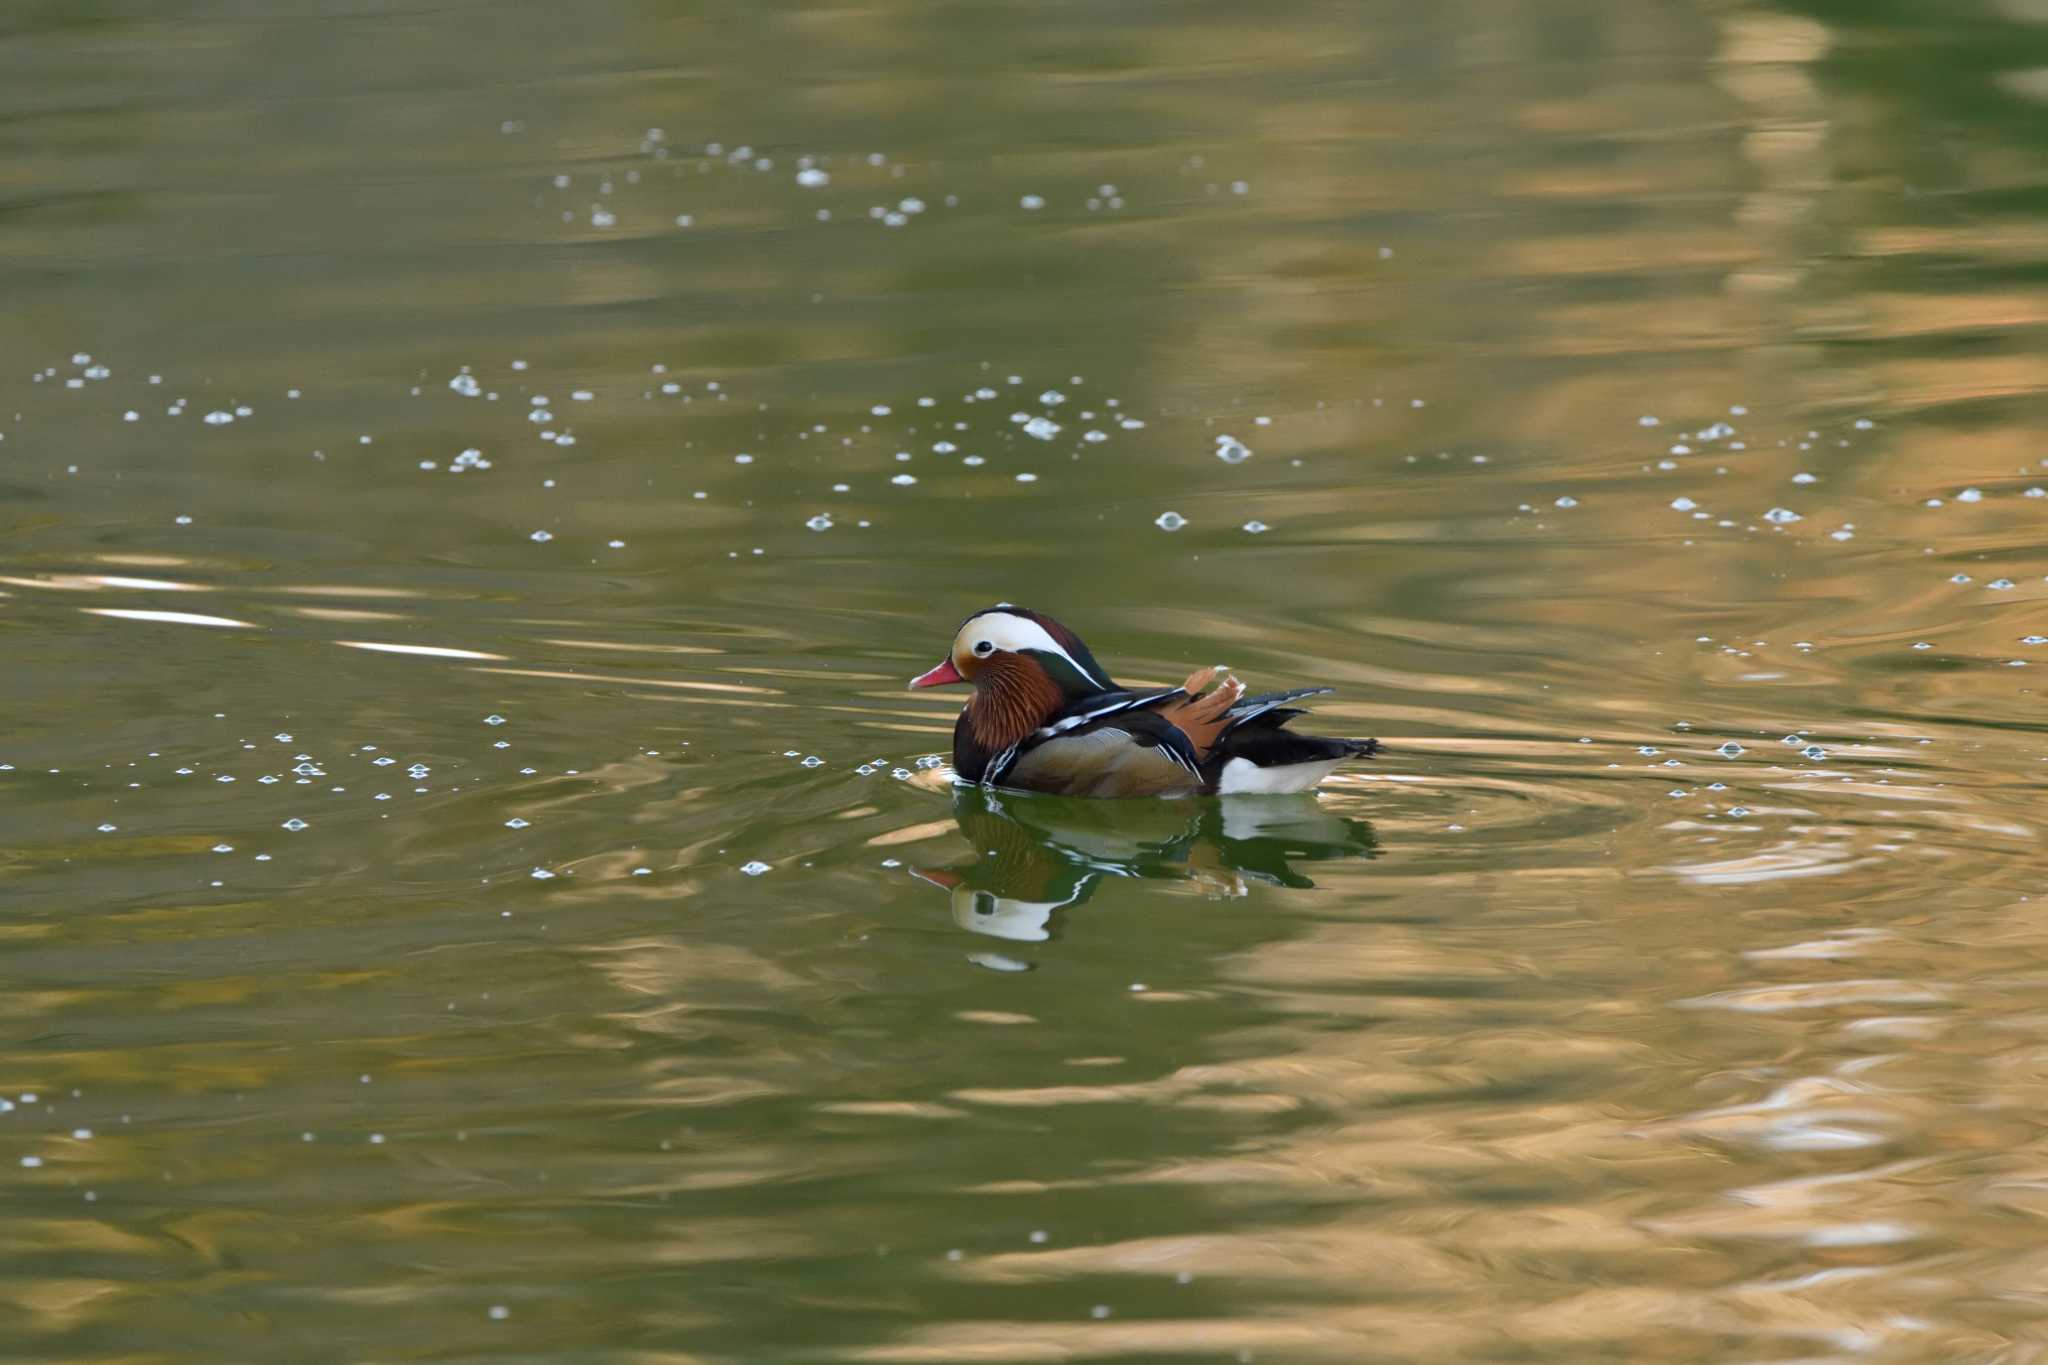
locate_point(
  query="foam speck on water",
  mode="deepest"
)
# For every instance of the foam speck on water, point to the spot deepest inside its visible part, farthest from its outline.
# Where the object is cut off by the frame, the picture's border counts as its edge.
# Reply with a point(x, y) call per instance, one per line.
point(754, 868)
point(1782, 516)
point(1169, 521)
point(1230, 450)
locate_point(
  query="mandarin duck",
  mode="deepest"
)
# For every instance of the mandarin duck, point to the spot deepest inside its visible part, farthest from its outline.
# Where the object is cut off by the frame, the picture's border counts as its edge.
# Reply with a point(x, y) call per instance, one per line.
point(1045, 716)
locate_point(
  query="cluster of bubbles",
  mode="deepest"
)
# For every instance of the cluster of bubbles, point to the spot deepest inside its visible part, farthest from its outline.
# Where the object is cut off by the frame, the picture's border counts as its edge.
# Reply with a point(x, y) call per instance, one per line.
point(857, 187)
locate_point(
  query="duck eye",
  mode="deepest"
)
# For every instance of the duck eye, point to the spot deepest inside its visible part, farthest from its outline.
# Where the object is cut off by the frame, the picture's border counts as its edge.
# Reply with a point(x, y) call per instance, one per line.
point(984, 648)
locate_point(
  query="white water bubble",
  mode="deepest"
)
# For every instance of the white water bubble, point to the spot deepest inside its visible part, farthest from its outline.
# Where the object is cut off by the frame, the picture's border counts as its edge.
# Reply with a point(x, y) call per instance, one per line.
point(1256, 527)
point(1782, 516)
point(754, 868)
point(1230, 450)
point(1170, 521)
point(1031, 203)
point(820, 522)
point(1970, 495)
point(1043, 428)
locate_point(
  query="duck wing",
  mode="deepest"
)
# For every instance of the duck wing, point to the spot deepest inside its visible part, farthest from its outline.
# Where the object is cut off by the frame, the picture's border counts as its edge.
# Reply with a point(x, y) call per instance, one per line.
point(1133, 752)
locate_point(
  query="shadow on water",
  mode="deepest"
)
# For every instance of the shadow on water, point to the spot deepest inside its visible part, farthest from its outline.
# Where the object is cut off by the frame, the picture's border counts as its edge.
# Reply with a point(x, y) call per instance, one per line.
point(1039, 855)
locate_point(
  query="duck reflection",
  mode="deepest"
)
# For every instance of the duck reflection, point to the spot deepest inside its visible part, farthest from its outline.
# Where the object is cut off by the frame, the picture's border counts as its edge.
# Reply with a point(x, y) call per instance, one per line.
point(1038, 855)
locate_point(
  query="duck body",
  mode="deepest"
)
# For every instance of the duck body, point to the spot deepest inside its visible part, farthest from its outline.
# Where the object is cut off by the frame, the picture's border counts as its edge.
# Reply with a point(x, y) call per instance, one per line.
point(1045, 716)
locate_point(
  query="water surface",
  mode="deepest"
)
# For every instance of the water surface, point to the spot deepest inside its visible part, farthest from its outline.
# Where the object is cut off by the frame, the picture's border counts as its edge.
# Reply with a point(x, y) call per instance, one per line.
point(475, 480)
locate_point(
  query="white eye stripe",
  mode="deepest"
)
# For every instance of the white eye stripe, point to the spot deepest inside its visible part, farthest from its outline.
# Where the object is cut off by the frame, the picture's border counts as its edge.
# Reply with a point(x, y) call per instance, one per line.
point(1017, 633)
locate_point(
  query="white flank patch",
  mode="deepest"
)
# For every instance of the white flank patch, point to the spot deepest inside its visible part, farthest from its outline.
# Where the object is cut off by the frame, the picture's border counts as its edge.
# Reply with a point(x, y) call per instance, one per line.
point(1242, 777)
point(1014, 633)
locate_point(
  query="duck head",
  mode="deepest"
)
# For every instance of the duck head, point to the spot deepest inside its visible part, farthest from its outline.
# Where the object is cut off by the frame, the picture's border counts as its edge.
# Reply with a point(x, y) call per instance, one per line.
point(1024, 668)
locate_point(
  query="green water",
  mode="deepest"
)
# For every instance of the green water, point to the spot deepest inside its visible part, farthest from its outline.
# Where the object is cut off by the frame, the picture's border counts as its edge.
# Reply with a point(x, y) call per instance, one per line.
point(382, 971)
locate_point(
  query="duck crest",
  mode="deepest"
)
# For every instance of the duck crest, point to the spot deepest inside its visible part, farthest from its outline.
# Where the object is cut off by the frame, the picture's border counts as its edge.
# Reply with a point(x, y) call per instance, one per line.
point(1013, 696)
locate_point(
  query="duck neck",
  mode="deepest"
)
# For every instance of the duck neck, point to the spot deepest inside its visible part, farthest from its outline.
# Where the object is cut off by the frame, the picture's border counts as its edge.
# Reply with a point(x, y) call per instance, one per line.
point(1011, 699)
